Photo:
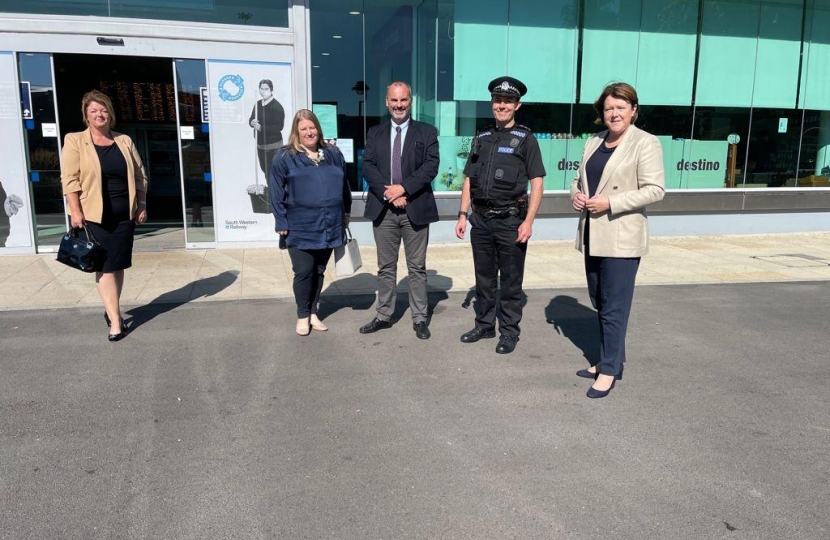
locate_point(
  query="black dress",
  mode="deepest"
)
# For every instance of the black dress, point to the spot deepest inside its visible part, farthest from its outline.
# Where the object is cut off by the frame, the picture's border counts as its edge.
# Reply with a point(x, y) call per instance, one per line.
point(116, 230)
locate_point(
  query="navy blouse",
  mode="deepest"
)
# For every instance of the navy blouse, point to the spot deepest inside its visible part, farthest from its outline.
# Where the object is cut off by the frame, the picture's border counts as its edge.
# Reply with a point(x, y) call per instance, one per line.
point(310, 201)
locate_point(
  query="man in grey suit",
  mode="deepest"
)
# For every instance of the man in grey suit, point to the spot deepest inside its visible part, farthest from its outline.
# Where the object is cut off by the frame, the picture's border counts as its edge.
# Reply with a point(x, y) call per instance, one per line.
point(399, 163)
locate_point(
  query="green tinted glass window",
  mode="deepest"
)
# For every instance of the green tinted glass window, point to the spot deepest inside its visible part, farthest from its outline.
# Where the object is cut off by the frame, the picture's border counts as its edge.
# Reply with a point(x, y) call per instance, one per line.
point(480, 46)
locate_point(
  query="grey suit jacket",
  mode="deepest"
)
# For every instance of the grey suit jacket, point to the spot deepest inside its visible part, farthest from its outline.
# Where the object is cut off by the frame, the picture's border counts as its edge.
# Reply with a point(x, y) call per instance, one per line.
point(633, 178)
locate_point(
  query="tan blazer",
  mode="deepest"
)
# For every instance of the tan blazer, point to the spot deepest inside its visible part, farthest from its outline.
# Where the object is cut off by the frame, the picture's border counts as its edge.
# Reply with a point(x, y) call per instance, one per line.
point(81, 172)
point(632, 179)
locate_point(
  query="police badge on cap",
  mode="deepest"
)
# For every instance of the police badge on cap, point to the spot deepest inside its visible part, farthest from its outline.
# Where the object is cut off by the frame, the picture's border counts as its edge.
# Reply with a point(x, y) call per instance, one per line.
point(507, 86)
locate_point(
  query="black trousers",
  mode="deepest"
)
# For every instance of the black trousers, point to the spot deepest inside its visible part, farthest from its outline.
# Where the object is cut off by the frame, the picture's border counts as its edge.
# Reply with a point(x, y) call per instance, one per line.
point(309, 267)
point(498, 257)
point(611, 288)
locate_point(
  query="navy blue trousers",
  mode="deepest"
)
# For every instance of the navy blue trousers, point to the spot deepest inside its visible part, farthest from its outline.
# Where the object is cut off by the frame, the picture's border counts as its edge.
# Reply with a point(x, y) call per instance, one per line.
point(611, 288)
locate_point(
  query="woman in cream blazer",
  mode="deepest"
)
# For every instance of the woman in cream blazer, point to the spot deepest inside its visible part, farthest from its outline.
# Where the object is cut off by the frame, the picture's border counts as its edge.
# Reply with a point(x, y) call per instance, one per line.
point(105, 188)
point(621, 173)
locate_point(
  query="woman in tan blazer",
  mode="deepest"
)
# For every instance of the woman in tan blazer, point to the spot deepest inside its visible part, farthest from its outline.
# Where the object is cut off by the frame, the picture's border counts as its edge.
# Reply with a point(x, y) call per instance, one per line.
point(105, 188)
point(621, 173)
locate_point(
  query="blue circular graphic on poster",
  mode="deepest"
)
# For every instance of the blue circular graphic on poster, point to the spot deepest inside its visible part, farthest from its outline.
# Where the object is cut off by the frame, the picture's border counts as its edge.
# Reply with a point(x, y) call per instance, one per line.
point(224, 95)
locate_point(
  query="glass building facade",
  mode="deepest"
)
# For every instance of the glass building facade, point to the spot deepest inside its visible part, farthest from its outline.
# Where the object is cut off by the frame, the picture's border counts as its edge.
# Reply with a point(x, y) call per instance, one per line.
point(738, 91)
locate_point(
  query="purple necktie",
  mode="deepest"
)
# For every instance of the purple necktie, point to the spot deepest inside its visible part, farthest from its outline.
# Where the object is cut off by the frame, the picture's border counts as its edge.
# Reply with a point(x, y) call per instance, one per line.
point(397, 176)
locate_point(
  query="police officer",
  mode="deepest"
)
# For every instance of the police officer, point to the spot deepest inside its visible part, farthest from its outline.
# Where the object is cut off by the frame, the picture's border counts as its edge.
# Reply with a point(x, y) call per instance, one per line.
point(504, 157)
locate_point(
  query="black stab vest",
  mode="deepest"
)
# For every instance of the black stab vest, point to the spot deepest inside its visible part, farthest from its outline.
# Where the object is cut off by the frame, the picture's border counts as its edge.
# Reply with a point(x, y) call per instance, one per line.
point(498, 175)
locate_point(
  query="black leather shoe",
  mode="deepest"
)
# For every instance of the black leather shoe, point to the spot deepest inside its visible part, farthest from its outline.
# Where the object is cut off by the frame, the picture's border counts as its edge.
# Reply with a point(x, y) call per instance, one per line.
point(596, 394)
point(478, 333)
point(585, 374)
point(421, 330)
point(507, 344)
point(115, 337)
point(374, 326)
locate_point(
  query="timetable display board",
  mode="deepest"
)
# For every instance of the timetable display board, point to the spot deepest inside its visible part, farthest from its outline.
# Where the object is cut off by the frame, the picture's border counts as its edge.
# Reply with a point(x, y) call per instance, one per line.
point(141, 101)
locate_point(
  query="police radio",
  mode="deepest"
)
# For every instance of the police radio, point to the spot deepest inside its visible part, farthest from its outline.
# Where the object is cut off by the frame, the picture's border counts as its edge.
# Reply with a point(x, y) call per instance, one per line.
point(474, 146)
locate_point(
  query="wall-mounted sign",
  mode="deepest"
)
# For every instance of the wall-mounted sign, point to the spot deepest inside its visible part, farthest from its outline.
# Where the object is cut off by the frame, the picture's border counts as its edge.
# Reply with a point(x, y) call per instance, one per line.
point(49, 130)
point(327, 116)
point(187, 132)
point(346, 147)
point(249, 102)
point(203, 91)
point(26, 100)
point(16, 234)
point(782, 125)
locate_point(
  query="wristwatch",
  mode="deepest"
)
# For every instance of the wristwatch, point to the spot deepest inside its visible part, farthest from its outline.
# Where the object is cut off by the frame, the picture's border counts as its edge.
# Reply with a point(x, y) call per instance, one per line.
point(465, 214)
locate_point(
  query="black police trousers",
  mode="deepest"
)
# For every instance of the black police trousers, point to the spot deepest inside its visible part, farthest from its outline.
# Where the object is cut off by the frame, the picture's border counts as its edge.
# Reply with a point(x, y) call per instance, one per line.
point(497, 255)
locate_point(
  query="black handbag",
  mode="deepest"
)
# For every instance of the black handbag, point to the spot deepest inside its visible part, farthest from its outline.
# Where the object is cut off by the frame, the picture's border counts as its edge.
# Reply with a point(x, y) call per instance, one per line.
point(85, 254)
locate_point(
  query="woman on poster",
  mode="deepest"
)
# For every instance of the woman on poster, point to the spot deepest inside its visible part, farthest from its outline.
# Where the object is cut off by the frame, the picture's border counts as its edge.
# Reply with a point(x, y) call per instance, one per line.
point(11, 204)
point(267, 119)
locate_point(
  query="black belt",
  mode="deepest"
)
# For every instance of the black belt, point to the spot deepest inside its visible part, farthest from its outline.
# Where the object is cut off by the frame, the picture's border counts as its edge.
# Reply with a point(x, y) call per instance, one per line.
point(496, 212)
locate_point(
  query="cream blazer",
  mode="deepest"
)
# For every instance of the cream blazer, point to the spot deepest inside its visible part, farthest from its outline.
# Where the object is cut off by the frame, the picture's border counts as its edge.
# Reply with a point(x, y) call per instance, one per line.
point(632, 179)
point(81, 172)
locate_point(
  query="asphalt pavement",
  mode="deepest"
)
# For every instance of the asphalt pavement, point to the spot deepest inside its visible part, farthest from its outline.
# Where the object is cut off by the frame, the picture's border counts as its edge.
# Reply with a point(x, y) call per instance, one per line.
point(213, 420)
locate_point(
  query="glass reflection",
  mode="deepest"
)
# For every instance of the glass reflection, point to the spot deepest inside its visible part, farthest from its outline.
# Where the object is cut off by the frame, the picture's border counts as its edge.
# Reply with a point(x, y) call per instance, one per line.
point(191, 83)
point(706, 136)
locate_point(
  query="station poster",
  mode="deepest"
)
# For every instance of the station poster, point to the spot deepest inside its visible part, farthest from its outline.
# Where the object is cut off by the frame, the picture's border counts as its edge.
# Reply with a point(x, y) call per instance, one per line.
point(251, 109)
point(15, 208)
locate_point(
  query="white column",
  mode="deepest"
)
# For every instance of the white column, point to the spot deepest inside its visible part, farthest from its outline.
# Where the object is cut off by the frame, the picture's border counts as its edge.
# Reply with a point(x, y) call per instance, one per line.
point(302, 54)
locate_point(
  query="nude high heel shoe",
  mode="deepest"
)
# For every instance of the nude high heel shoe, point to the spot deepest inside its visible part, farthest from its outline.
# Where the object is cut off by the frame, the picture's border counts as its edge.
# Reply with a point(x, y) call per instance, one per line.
point(303, 327)
point(317, 324)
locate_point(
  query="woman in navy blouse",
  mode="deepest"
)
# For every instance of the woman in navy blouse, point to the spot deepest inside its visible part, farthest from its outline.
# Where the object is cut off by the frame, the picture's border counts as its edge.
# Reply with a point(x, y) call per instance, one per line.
point(311, 201)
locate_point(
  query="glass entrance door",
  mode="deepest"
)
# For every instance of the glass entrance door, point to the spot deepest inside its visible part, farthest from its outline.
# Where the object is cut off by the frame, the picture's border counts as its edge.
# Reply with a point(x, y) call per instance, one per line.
point(142, 91)
point(160, 103)
point(194, 133)
point(41, 133)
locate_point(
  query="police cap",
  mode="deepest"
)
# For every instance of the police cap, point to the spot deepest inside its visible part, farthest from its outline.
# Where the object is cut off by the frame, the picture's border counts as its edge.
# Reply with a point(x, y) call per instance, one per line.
point(507, 86)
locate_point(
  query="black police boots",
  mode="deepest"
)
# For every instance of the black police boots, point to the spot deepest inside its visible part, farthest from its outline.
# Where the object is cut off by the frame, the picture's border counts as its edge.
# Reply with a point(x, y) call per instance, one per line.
point(478, 333)
point(507, 344)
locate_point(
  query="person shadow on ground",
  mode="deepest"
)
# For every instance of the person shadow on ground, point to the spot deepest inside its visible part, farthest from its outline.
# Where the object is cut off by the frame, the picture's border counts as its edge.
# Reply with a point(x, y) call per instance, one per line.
point(359, 293)
point(470, 300)
point(576, 322)
point(201, 288)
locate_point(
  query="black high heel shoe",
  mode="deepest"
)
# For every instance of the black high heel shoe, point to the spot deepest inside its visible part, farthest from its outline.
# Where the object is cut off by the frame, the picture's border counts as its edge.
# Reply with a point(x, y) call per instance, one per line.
point(596, 394)
point(109, 323)
point(120, 335)
point(585, 374)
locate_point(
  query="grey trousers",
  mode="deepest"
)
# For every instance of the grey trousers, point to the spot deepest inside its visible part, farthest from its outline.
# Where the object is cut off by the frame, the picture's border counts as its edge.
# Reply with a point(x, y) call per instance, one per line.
point(389, 230)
